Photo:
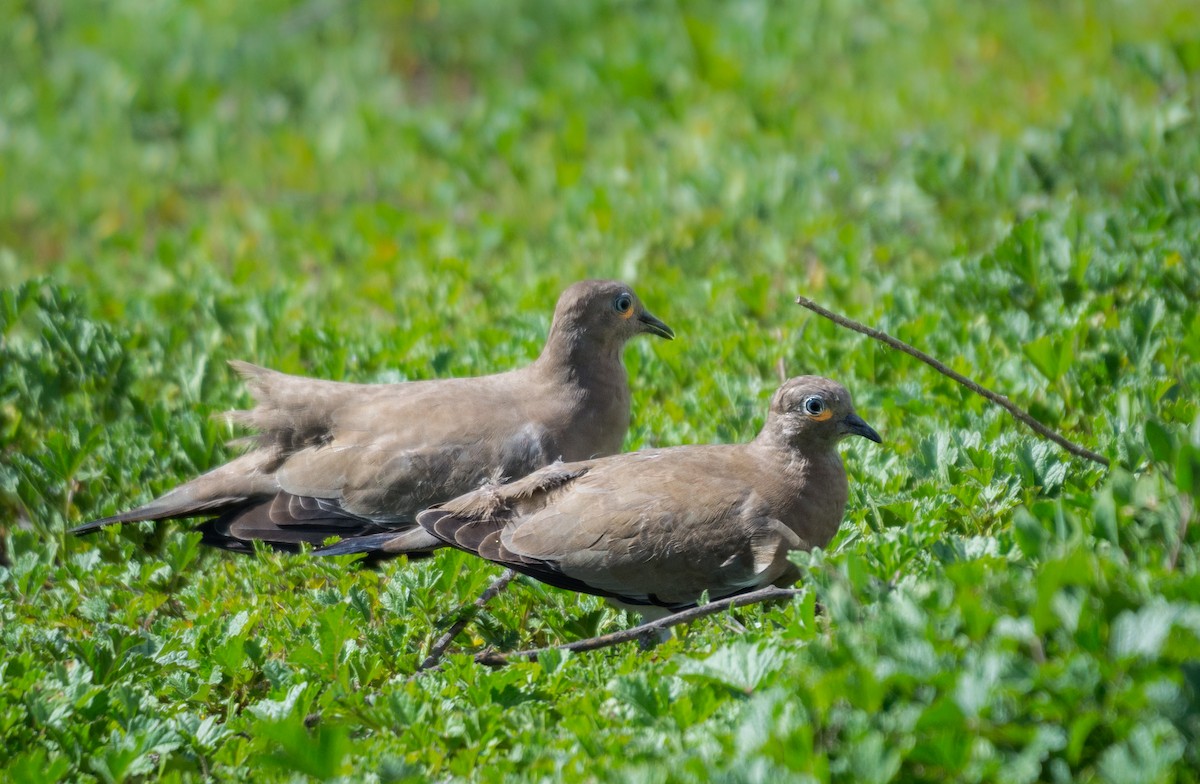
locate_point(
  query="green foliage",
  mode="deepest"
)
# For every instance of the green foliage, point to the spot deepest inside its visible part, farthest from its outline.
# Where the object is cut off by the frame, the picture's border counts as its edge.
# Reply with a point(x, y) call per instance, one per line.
point(384, 191)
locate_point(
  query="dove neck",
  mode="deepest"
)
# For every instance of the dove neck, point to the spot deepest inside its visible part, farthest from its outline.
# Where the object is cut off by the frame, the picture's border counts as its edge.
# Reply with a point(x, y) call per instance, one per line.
point(779, 433)
point(571, 353)
point(809, 489)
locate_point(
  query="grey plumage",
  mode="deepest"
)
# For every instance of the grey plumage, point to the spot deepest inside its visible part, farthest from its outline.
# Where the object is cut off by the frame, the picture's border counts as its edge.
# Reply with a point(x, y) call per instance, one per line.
point(654, 530)
point(360, 460)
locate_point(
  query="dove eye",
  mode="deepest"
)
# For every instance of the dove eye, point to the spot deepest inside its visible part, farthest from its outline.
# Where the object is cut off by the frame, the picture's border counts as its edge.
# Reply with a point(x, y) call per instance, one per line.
point(623, 303)
point(814, 405)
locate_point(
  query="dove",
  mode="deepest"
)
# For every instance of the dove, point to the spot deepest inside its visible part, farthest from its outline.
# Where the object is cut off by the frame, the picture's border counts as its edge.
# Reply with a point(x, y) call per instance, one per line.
point(653, 531)
point(359, 461)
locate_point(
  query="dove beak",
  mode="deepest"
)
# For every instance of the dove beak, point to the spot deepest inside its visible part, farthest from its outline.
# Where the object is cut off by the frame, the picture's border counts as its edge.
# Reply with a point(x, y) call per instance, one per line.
point(652, 324)
point(854, 425)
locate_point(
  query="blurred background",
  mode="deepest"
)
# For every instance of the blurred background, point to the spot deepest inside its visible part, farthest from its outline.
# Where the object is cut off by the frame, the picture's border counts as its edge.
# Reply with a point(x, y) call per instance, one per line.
point(352, 148)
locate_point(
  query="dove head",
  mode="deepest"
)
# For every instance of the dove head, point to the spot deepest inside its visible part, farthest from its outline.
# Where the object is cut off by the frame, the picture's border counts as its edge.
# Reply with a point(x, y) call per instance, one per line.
point(811, 411)
point(600, 316)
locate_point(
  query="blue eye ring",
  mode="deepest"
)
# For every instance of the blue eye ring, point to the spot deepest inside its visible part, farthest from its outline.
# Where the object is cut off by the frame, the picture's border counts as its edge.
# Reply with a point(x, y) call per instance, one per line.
point(814, 405)
point(623, 302)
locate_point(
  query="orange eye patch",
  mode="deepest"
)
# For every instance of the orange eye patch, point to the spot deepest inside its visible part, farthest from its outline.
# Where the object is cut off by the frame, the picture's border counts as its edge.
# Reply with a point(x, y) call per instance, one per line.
point(821, 417)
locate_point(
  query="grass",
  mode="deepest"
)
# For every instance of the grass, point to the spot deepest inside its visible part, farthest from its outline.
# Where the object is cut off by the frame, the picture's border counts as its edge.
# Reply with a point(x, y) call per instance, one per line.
point(381, 191)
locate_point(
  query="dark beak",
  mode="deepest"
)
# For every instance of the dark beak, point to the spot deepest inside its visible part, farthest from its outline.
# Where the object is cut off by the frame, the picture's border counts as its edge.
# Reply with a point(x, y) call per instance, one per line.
point(855, 425)
point(652, 324)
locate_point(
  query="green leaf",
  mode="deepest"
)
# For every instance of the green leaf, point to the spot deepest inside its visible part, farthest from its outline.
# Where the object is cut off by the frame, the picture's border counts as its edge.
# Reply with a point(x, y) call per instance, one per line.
point(1160, 440)
point(650, 698)
point(1149, 754)
point(742, 666)
point(277, 710)
point(1051, 356)
point(1031, 536)
point(873, 759)
point(36, 767)
point(1142, 632)
point(321, 753)
point(1187, 470)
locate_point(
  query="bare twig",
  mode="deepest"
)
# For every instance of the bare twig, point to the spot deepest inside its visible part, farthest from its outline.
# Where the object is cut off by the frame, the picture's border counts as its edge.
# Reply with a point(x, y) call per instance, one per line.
point(1185, 519)
point(645, 632)
point(780, 364)
point(996, 398)
point(439, 648)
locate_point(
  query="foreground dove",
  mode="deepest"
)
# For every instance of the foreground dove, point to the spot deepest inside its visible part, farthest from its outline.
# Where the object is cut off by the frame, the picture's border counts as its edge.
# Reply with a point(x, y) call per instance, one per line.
point(655, 530)
point(360, 460)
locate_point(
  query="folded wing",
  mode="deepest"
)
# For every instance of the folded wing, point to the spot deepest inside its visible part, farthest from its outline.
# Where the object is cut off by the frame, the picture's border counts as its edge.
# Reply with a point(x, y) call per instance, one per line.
point(658, 528)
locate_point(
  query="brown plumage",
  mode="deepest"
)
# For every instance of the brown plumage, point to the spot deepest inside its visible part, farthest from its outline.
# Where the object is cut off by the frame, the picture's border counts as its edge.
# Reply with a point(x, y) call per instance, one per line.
point(654, 530)
point(360, 460)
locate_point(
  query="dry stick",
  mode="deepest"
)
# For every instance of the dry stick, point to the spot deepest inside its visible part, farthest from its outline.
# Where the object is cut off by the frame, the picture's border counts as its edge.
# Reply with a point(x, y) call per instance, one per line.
point(998, 399)
point(643, 632)
point(439, 648)
point(1185, 519)
point(780, 365)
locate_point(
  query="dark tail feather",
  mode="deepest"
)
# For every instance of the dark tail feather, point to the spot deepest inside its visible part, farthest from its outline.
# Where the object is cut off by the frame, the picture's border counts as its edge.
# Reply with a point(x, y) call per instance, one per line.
point(413, 542)
point(356, 544)
point(156, 511)
point(214, 533)
point(134, 516)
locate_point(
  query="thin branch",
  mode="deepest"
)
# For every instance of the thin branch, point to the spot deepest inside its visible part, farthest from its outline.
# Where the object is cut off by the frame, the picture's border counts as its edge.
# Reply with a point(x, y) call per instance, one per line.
point(645, 632)
point(1185, 519)
point(780, 364)
point(465, 617)
point(996, 398)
